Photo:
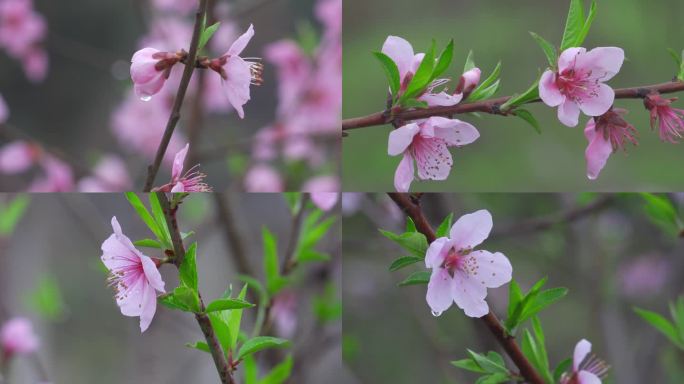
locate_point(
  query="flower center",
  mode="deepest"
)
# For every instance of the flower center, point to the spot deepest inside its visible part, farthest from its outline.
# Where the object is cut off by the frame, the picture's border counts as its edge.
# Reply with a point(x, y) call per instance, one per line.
point(456, 260)
point(577, 84)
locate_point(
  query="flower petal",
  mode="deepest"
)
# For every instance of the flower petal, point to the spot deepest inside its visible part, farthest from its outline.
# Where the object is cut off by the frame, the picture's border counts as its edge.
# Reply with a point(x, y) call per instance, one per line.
point(400, 51)
point(439, 291)
point(152, 274)
point(493, 269)
point(568, 113)
point(441, 99)
point(469, 295)
point(403, 176)
point(149, 307)
point(586, 377)
point(472, 229)
point(598, 151)
point(236, 86)
point(434, 257)
point(548, 90)
point(178, 161)
point(130, 298)
point(453, 131)
point(600, 103)
point(239, 45)
point(603, 62)
point(569, 58)
point(433, 158)
point(401, 138)
point(582, 349)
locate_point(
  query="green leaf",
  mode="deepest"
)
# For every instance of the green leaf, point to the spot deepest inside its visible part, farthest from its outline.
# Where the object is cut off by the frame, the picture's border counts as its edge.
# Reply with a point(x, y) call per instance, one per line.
point(562, 367)
point(663, 325)
point(548, 48)
point(541, 347)
point(206, 35)
point(10, 215)
point(169, 300)
point(280, 373)
point(587, 24)
point(188, 270)
point(313, 232)
point(224, 304)
point(470, 62)
point(144, 215)
point(444, 60)
point(309, 255)
point(235, 319)
point(532, 93)
point(274, 282)
point(573, 25)
point(420, 277)
point(444, 226)
point(199, 345)
point(293, 199)
point(662, 212)
point(530, 350)
point(404, 262)
point(149, 243)
point(224, 334)
point(188, 298)
point(514, 297)
point(484, 93)
point(489, 365)
point(414, 242)
point(422, 77)
point(677, 310)
point(529, 118)
point(391, 71)
point(415, 103)
point(250, 367)
point(260, 343)
point(46, 300)
point(469, 365)
point(410, 225)
point(541, 301)
point(160, 219)
point(495, 378)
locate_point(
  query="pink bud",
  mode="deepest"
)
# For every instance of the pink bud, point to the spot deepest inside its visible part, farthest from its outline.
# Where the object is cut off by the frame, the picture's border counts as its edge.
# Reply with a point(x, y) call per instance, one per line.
point(149, 70)
point(17, 157)
point(17, 337)
point(469, 80)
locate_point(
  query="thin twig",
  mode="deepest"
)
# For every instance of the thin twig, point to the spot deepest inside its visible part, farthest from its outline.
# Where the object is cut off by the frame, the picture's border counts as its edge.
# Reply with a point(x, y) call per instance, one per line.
point(288, 262)
point(180, 96)
point(232, 234)
point(411, 207)
point(492, 106)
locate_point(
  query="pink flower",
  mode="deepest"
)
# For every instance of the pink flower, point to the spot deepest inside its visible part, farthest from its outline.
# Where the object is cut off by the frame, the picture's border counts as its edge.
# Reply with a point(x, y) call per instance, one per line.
point(606, 134)
point(237, 73)
point(17, 337)
point(35, 64)
point(670, 120)
point(191, 181)
point(324, 191)
point(427, 143)
point(578, 82)
point(134, 276)
point(284, 311)
point(585, 369)
point(109, 175)
point(4, 111)
point(644, 276)
point(469, 81)
point(150, 68)
point(401, 52)
point(18, 156)
point(57, 176)
point(180, 6)
point(460, 274)
point(262, 178)
point(21, 28)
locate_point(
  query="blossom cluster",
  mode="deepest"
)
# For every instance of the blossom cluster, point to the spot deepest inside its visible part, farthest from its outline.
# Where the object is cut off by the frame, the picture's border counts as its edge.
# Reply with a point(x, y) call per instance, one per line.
point(22, 31)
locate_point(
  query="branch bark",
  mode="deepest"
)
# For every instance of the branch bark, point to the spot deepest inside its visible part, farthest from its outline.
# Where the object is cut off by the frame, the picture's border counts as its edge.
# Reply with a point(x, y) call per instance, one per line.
point(491, 106)
point(411, 207)
point(153, 169)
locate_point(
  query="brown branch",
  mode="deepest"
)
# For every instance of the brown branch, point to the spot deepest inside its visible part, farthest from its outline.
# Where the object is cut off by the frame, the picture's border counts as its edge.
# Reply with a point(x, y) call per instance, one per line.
point(232, 234)
point(178, 102)
point(411, 207)
point(224, 371)
point(492, 106)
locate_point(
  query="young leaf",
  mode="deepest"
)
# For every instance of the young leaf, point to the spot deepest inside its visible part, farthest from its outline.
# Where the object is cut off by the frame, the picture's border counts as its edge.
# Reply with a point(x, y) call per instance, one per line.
point(188, 270)
point(548, 48)
point(10, 216)
point(199, 345)
point(422, 77)
point(573, 25)
point(484, 93)
point(391, 71)
point(587, 24)
point(444, 60)
point(410, 225)
point(236, 318)
point(293, 199)
point(224, 304)
point(415, 242)
point(489, 365)
point(532, 93)
point(541, 301)
point(662, 212)
point(280, 373)
point(404, 262)
point(562, 367)
point(149, 243)
point(260, 343)
point(514, 297)
point(271, 267)
point(469, 365)
point(470, 62)
point(187, 298)
point(415, 103)
point(444, 226)
point(495, 378)
point(250, 367)
point(160, 219)
point(144, 215)
point(663, 325)
point(420, 277)
point(529, 118)
point(207, 33)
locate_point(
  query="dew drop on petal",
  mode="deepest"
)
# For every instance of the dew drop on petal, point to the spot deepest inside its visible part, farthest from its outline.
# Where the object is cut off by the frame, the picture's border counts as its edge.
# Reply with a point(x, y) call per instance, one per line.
point(436, 314)
point(146, 98)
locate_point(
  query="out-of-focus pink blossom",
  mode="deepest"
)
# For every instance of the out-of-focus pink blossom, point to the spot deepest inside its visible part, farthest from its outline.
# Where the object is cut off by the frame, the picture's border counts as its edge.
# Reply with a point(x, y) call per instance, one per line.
point(606, 134)
point(578, 83)
point(17, 337)
point(109, 175)
point(237, 73)
point(426, 142)
point(180, 6)
point(4, 111)
point(22, 31)
point(150, 68)
point(284, 311)
point(324, 191)
point(191, 181)
point(57, 176)
point(35, 65)
point(644, 276)
point(667, 120)
point(134, 276)
point(17, 157)
point(351, 202)
point(460, 274)
point(262, 178)
point(586, 368)
point(329, 12)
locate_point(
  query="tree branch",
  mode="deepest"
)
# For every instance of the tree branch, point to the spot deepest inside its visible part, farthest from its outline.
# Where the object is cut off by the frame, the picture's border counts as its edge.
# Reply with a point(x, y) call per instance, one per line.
point(492, 106)
point(411, 207)
point(178, 102)
point(232, 234)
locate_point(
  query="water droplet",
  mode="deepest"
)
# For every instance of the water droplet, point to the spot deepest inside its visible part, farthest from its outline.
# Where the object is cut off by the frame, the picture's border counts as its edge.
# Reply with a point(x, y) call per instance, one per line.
point(146, 98)
point(436, 314)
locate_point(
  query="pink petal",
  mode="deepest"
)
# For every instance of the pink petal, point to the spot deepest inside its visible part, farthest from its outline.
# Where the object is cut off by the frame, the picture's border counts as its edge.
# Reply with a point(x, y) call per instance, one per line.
point(439, 291)
point(178, 161)
point(179, 187)
point(434, 257)
point(469, 295)
point(582, 349)
point(494, 268)
point(401, 138)
point(325, 200)
point(415, 63)
point(603, 62)
point(143, 65)
point(453, 131)
point(236, 86)
point(598, 151)
point(16, 157)
point(403, 176)
point(586, 377)
point(568, 113)
point(441, 99)
point(569, 57)
point(130, 302)
point(548, 91)
point(433, 158)
point(152, 274)
point(241, 42)
point(471, 78)
point(599, 104)
point(151, 88)
point(472, 229)
point(400, 51)
point(17, 337)
point(149, 307)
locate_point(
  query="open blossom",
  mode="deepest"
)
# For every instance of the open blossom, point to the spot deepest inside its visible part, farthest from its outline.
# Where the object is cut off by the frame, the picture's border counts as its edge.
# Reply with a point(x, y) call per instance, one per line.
point(586, 369)
point(134, 276)
point(57, 176)
point(22, 31)
point(670, 121)
point(150, 68)
point(17, 337)
point(237, 73)
point(324, 191)
point(461, 274)
point(426, 142)
point(263, 178)
point(578, 83)
point(109, 175)
point(606, 134)
point(401, 52)
point(18, 156)
point(190, 181)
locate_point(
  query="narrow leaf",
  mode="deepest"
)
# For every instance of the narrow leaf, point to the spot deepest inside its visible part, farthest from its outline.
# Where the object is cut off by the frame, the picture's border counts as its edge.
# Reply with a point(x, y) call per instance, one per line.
point(573, 25)
point(444, 60)
point(391, 71)
point(660, 323)
point(207, 33)
point(404, 262)
point(420, 277)
point(529, 118)
point(224, 304)
point(548, 48)
point(260, 343)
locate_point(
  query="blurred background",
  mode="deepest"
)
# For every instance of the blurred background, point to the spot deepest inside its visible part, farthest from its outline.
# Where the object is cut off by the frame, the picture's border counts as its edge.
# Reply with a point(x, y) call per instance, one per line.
point(81, 106)
point(50, 272)
point(510, 155)
point(609, 253)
